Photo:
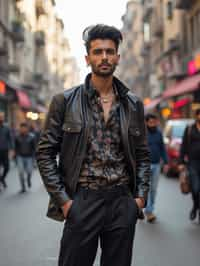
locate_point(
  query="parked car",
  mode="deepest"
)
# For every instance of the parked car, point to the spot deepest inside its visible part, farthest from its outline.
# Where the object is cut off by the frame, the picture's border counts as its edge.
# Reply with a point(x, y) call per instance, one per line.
point(173, 133)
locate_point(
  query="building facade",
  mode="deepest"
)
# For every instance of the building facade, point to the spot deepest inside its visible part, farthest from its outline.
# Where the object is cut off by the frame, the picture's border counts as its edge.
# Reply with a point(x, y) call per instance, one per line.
point(169, 58)
point(33, 51)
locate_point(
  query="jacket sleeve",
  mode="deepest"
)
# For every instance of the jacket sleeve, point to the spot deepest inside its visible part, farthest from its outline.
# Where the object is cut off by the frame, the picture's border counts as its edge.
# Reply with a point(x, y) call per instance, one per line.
point(48, 149)
point(163, 150)
point(11, 140)
point(142, 158)
point(184, 146)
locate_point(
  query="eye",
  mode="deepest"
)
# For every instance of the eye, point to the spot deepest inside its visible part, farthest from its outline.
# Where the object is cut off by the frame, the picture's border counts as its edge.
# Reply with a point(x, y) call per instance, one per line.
point(110, 51)
point(97, 51)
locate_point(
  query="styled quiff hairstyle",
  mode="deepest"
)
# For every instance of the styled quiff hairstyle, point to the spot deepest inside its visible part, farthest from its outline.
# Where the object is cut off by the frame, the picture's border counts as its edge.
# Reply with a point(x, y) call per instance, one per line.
point(101, 31)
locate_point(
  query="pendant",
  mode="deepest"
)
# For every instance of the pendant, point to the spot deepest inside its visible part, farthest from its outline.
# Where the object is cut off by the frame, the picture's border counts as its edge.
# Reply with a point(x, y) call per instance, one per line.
point(105, 100)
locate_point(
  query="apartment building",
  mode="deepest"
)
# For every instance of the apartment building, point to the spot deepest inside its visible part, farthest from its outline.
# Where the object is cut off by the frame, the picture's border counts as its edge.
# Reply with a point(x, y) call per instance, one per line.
point(33, 52)
point(130, 69)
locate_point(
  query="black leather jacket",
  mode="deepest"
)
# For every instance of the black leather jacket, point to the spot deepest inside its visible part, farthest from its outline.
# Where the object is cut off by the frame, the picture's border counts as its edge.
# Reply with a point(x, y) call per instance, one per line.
point(65, 138)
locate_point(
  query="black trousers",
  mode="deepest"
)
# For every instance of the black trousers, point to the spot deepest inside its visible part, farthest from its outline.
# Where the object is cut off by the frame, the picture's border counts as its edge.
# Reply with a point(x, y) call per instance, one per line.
point(194, 175)
point(4, 164)
point(106, 215)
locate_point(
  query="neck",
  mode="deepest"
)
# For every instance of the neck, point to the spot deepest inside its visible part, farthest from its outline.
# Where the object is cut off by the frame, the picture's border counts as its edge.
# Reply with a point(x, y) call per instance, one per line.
point(198, 124)
point(102, 84)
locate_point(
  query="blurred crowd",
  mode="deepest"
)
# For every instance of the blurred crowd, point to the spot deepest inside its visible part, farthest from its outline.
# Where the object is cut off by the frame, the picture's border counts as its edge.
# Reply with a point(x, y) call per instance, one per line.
point(18, 146)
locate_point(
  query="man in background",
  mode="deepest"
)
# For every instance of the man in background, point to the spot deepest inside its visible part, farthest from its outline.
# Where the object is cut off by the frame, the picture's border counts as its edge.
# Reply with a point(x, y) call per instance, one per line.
point(190, 156)
point(6, 147)
point(25, 150)
point(157, 153)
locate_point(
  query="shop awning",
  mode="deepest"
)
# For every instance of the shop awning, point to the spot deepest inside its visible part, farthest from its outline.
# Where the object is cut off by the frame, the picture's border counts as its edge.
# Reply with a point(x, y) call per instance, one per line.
point(23, 98)
point(182, 102)
point(152, 104)
point(185, 86)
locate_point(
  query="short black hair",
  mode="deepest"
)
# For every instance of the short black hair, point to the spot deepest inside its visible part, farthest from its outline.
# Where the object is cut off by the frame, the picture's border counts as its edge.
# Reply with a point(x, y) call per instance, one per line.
point(150, 116)
point(197, 112)
point(101, 31)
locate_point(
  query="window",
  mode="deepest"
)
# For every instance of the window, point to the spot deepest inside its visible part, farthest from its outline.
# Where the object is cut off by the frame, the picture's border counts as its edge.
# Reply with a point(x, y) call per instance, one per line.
point(169, 10)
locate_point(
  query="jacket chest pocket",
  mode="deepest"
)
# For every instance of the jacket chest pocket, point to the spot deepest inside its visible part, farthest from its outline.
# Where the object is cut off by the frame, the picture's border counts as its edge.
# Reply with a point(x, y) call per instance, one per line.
point(71, 127)
point(71, 138)
point(134, 132)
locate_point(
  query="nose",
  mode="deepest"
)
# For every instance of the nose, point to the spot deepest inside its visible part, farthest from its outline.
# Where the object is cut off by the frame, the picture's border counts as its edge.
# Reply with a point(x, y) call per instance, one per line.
point(104, 55)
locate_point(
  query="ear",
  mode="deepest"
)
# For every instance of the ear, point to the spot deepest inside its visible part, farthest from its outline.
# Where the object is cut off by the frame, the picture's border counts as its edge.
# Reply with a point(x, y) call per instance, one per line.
point(87, 60)
point(118, 59)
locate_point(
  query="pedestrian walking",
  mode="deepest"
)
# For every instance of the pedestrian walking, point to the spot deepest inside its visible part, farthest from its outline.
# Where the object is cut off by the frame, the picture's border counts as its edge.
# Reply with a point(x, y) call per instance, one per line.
point(101, 181)
point(189, 158)
point(6, 149)
point(157, 153)
point(25, 150)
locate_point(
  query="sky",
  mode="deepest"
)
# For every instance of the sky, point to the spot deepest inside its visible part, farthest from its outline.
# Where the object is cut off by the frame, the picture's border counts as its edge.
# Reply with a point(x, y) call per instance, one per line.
point(78, 14)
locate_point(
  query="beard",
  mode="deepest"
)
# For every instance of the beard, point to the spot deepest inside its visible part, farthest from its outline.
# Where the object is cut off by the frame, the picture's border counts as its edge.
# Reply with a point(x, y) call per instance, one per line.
point(106, 73)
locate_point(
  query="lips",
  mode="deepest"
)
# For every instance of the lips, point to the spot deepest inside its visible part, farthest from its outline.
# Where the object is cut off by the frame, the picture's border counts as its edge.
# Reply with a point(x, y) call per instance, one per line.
point(104, 65)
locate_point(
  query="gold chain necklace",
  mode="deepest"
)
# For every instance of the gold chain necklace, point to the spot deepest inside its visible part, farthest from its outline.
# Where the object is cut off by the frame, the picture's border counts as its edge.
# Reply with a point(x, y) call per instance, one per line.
point(107, 99)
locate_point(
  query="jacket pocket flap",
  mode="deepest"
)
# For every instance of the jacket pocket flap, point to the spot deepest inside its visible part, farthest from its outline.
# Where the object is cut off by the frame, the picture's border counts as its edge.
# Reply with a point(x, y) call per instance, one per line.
point(135, 131)
point(72, 127)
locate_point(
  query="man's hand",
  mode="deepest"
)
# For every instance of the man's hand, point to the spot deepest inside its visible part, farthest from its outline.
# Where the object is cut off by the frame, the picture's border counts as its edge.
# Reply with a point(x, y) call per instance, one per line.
point(165, 168)
point(11, 154)
point(181, 167)
point(140, 202)
point(66, 207)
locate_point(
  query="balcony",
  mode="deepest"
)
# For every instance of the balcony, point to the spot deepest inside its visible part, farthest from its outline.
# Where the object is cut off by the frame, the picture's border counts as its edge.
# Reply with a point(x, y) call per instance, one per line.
point(145, 49)
point(13, 68)
point(38, 77)
point(9, 68)
point(148, 8)
point(17, 31)
point(158, 29)
point(40, 7)
point(40, 38)
point(3, 51)
point(184, 4)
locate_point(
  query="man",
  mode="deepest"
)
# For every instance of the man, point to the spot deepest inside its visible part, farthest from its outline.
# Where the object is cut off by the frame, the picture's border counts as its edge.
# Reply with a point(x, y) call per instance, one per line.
point(6, 149)
point(190, 155)
point(25, 150)
point(101, 182)
point(157, 152)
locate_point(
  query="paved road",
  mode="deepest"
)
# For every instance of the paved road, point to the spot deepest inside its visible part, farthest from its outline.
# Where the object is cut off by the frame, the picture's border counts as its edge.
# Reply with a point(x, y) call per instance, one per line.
point(27, 238)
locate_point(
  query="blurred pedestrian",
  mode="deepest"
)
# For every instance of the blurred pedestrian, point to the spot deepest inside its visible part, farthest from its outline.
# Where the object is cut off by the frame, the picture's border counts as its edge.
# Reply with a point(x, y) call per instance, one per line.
point(6, 149)
point(157, 153)
point(36, 131)
point(190, 158)
point(102, 180)
point(25, 150)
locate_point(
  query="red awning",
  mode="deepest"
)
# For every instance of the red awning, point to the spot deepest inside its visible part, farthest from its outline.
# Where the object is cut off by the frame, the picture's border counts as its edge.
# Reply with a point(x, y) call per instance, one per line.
point(152, 104)
point(182, 102)
point(185, 86)
point(24, 100)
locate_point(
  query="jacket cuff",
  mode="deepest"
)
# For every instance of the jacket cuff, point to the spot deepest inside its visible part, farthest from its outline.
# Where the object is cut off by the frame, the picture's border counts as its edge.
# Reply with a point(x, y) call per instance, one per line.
point(61, 199)
point(142, 194)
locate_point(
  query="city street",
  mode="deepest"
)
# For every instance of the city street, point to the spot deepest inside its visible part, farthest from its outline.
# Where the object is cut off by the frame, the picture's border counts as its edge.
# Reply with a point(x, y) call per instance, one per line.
point(28, 238)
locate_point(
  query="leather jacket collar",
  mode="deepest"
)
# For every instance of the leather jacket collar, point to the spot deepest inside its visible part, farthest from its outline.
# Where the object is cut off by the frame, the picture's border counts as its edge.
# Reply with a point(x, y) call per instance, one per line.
point(121, 88)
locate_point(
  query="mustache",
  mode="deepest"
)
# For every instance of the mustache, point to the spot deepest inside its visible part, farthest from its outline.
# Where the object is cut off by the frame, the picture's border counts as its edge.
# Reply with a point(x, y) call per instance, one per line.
point(104, 64)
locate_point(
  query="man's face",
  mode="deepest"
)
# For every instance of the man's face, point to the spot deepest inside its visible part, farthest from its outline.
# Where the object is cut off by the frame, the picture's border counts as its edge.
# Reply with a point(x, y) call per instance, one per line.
point(198, 118)
point(23, 130)
point(1, 118)
point(152, 123)
point(103, 57)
